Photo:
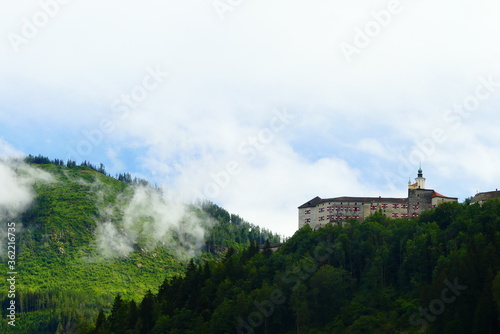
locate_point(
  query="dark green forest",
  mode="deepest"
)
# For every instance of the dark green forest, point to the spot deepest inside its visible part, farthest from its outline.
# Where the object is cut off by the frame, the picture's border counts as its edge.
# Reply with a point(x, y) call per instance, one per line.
point(63, 281)
point(438, 273)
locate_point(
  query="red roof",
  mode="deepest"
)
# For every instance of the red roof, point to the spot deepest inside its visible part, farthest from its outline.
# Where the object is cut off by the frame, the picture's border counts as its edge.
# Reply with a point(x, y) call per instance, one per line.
point(436, 194)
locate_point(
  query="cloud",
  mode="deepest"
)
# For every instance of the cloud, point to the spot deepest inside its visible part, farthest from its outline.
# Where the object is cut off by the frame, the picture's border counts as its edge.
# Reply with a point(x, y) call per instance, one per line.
point(16, 193)
point(150, 219)
point(16, 186)
point(112, 243)
point(8, 151)
point(373, 146)
point(361, 119)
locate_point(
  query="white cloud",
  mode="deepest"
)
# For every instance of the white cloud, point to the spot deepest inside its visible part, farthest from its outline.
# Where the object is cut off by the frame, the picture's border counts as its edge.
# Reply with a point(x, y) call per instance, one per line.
point(16, 193)
point(150, 219)
point(373, 146)
point(8, 151)
point(227, 76)
point(16, 182)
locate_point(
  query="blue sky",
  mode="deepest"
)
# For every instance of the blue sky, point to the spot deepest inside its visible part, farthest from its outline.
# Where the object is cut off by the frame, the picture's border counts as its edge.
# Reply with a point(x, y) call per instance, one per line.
point(259, 105)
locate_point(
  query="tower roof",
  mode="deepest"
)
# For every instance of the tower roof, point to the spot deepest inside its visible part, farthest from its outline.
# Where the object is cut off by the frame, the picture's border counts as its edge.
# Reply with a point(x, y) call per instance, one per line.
point(420, 173)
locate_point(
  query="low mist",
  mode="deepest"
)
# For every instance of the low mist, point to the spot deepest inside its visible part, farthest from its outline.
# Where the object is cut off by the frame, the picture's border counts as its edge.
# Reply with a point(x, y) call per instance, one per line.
point(16, 193)
point(146, 219)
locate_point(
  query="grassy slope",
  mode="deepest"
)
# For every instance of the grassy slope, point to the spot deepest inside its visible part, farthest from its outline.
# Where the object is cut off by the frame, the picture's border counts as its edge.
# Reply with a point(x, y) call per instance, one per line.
point(57, 250)
point(61, 279)
point(58, 271)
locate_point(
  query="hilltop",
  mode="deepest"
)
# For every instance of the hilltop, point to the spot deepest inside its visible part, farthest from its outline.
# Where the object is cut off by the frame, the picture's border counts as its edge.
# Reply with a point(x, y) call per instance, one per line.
point(87, 236)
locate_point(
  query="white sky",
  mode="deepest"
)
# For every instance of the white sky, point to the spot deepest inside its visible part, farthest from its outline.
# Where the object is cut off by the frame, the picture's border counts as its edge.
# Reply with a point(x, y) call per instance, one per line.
point(353, 124)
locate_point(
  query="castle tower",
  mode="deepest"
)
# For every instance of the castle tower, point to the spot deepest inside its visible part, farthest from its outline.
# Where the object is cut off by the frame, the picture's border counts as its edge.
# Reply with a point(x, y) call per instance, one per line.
point(420, 180)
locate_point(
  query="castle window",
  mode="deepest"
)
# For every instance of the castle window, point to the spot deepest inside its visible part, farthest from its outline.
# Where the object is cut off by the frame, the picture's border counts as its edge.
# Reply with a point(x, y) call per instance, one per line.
point(308, 212)
point(373, 207)
point(321, 209)
point(385, 205)
point(415, 207)
point(404, 215)
point(395, 206)
point(321, 218)
point(308, 220)
point(414, 215)
point(394, 215)
point(404, 206)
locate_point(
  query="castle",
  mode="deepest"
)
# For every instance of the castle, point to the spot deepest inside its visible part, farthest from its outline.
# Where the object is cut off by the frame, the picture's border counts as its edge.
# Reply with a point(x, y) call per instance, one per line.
point(318, 211)
point(483, 197)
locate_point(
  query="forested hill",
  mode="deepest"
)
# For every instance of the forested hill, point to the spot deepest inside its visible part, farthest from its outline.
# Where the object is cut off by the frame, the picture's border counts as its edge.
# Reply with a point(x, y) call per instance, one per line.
point(435, 274)
point(88, 236)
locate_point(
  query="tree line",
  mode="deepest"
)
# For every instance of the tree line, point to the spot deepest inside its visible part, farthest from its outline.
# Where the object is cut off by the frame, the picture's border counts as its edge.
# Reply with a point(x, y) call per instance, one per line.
point(123, 177)
point(438, 273)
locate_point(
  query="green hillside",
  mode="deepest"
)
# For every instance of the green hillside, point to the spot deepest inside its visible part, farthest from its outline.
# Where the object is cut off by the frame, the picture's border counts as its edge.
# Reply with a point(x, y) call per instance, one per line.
point(439, 273)
point(89, 236)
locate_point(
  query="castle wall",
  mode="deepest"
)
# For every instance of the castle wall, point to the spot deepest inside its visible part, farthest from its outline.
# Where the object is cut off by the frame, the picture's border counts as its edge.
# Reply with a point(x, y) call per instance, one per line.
point(419, 200)
point(483, 197)
point(336, 211)
point(319, 212)
point(440, 200)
